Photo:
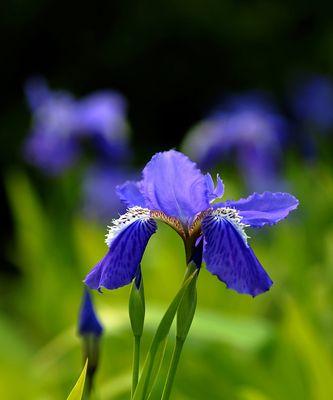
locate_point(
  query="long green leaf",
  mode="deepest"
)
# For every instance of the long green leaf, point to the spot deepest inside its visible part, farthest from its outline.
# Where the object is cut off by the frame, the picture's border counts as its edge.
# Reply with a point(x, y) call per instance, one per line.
point(77, 391)
point(156, 351)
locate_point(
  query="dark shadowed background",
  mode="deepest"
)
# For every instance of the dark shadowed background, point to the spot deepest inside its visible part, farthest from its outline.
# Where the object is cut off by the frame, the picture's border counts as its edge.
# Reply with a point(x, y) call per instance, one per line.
point(172, 60)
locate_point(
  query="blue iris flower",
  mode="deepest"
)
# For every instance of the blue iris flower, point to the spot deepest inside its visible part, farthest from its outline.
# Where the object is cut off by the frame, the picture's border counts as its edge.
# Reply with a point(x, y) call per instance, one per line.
point(88, 321)
point(174, 191)
point(249, 127)
point(62, 123)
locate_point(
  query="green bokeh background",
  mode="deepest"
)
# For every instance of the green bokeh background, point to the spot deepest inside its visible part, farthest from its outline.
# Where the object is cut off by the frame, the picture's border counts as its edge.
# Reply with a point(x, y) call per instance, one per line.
point(276, 346)
point(172, 60)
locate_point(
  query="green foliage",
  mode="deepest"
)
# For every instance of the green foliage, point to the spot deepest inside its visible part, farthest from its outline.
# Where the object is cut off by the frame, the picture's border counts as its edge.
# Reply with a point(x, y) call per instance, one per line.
point(77, 391)
point(156, 351)
point(187, 307)
point(276, 346)
point(136, 308)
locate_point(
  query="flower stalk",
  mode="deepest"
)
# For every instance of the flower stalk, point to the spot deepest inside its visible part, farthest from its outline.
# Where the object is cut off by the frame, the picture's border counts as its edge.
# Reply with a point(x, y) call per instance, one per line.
point(185, 315)
point(136, 363)
point(90, 352)
point(136, 310)
point(156, 351)
point(173, 369)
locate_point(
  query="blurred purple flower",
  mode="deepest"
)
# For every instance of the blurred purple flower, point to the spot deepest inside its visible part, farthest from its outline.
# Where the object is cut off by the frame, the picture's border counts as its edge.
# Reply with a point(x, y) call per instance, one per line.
point(99, 191)
point(101, 117)
point(312, 102)
point(174, 190)
point(249, 127)
point(61, 123)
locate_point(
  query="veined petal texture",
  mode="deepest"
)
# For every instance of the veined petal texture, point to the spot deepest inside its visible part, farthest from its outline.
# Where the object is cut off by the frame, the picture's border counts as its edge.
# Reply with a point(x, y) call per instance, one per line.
point(130, 194)
point(228, 256)
point(267, 208)
point(127, 240)
point(173, 184)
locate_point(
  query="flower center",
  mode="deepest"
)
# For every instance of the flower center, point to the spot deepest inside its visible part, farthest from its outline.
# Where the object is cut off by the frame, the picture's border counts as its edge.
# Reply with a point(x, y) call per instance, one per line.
point(171, 221)
point(232, 215)
point(117, 225)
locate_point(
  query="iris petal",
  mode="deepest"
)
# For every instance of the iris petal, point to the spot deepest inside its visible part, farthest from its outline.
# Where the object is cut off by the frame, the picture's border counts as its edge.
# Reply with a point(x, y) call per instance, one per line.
point(173, 184)
point(214, 192)
point(228, 256)
point(129, 194)
point(267, 208)
point(119, 266)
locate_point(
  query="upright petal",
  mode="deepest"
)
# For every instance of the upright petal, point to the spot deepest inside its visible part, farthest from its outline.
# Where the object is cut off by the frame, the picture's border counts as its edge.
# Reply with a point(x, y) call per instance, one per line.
point(228, 256)
point(127, 240)
point(214, 192)
point(267, 208)
point(173, 184)
point(129, 194)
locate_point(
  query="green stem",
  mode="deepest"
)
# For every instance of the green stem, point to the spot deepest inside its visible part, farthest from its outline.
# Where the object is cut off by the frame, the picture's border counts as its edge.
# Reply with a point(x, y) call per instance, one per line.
point(149, 373)
point(88, 387)
point(136, 363)
point(185, 314)
point(173, 368)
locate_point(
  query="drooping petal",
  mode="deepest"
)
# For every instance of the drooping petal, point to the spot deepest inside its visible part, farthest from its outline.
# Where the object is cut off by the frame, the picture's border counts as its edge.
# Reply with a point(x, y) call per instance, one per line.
point(173, 184)
point(214, 192)
point(228, 256)
point(129, 194)
point(127, 240)
point(267, 208)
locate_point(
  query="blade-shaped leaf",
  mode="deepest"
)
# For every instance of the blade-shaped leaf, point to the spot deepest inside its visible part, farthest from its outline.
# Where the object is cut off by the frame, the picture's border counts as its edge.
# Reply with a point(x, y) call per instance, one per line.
point(156, 351)
point(77, 391)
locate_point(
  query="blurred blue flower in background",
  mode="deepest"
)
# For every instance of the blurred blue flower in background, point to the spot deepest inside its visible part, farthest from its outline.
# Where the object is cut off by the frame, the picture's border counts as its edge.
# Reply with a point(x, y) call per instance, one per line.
point(88, 321)
point(249, 127)
point(62, 124)
point(101, 117)
point(312, 102)
point(99, 190)
point(175, 191)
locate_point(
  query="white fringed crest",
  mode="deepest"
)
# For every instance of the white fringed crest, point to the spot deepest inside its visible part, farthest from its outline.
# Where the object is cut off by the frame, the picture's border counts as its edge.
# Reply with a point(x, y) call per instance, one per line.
point(232, 215)
point(117, 225)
